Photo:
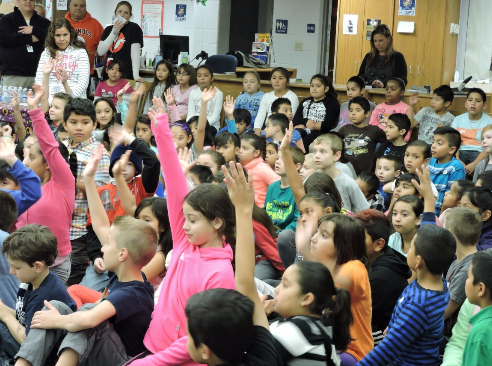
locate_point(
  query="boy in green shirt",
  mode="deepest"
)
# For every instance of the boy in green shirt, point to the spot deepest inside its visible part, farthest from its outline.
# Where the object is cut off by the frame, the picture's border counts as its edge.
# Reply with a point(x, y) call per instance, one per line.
point(478, 350)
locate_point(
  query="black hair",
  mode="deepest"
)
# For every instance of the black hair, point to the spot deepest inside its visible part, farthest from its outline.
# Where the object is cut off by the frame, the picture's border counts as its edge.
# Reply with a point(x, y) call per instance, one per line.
point(279, 119)
point(278, 102)
point(8, 211)
point(217, 157)
point(111, 64)
point(208, 139)
point(208, 68)
point(222, 319)
point(371, 180)
point(258, 142)
point(19, 149)
point(357, 80)
point(61, 128)
point(451, 135)
point(445, 92)
point(190, 70)
point(242, 115)
point(113, 108)
point(202, 172)
point(486, 178)
point(426, 149)
point(407, 177)
point(436, 246)
point(80, 107)
point(395, 159)
point(399, 81)
point(478, 91)
point(69, 157)
point(362, 101)
point(326, 81)
point(144, 119)
point(480, 197)
point(225, 137)
point(285, 73)
point(5, 174)
point(463, 185)
point(329, 303)
point(377, 225)
point(401, 121)
point(170, 81)
point(322, 182)
point(323, 200)
point(414, 201)
point(481, 264)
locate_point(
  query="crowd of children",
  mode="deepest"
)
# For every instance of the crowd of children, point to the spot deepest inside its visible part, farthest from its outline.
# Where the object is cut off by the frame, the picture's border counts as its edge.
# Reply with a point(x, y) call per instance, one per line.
point(294, 233)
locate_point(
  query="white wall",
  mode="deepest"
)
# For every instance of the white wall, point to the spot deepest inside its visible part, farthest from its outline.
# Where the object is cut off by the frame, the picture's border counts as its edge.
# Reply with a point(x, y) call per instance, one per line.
point(299, 14)
point(201, 25)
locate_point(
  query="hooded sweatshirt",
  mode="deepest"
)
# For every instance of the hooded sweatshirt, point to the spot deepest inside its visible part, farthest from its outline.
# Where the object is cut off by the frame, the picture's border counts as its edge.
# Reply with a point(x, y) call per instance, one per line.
point(90, 30)
point(388, 279)
point(485, 240)
point(192, 268)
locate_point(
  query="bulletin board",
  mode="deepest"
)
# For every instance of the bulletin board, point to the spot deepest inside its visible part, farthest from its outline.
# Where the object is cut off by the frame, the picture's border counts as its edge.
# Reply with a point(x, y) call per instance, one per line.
point(152, 18)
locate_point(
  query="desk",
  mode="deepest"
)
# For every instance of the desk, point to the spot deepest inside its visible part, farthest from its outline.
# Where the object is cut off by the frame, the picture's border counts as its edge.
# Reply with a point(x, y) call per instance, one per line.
point(7, 115)
point(264, 73)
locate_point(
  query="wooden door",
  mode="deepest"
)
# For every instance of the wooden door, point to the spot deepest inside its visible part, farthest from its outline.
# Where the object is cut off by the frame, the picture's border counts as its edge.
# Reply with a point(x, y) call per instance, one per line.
point(376, 9)
point(348, 54)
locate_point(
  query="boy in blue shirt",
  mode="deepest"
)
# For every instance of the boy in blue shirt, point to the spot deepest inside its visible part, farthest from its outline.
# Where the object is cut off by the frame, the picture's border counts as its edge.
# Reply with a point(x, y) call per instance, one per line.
point(470, 126)
point(444, 168)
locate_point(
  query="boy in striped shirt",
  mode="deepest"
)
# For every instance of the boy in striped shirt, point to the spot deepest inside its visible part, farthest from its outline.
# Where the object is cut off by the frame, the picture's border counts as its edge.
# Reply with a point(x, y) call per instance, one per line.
point(416, 326)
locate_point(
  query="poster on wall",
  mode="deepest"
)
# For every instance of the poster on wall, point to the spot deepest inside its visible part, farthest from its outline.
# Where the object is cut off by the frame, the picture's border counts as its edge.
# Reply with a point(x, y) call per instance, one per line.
point(152, 18)
point(180, 13)
point(61, 4)
point(406, 7)
point(350, 24)
point(370, 25)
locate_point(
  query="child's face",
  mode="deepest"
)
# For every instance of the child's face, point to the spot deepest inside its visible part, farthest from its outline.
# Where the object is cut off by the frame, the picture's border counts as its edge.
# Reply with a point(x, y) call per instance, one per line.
point(271, 156)
point(465, 202)
point(241, 127)
point(270, 129)
point(353, 90)
point(308, 168)
point(322, 243)
point(129, 171)
point(286, 109)
point(404, 188)
point(182, 77)
point(143, 132)
point(104, 113)
point(471, 290)
point(228, 151)
point(279, 165)
point(317, 89)
point(247, 152)
point(311, 211)
point(357, 114)
point(79, 128)
point(487, 141)
point(162, 73)
point(206, 159)
point(62, 38)
point(110, 250)
point(180, 137)
point(451, 198)
point(197, 228)
point(364, 188)
point(204, 78)
point(440, 147)
point(22, 270)
point(392, 132)
point(194, 179)
point(386, 170)
point(279, 81)
point(393, 92)
point(414, 158)
point(288, 299)
point(404, 219)
point(251, 84)
point(36, 162)
point(438, 104)
point(9, 185)
point(411, 258)
point(114, 73)
point(147, 215)
point(475, 105)
point(56, 110)
point(194, 128)
point(324, 157)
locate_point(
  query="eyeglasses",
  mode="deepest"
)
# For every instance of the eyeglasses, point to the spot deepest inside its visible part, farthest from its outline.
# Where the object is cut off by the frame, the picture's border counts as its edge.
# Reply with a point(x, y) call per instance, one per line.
point(182, 74)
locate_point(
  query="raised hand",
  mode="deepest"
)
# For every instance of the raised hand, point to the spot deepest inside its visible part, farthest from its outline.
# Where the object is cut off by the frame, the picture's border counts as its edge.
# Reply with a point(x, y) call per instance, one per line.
point(184, 157)
point(287, 137)
point(91, 166)
point(48, 66)
point(14, 98)
point(168, 95)
point(159, 106)
point(208, 94)
point(425, 185)
point(7, 150)
point(413, 99)
point(241, 191)
point(137, 94)
point(117, 135)
point(123, 90)
point(121, 163)
point(33, 99)
point(7, 131)
point(64, 76)
point(229, 107)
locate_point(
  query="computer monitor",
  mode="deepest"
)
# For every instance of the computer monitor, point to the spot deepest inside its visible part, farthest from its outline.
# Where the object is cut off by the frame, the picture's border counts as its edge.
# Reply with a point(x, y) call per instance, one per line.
point(172, 46)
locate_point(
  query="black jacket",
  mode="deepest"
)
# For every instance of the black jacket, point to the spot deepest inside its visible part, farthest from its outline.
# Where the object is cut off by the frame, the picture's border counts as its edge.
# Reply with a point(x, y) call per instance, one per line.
point(388, 278)
point(16, 60)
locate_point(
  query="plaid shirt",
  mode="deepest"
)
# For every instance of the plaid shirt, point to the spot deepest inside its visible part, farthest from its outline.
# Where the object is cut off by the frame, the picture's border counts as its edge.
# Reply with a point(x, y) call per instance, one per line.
point(83, 151)
point(377, 202)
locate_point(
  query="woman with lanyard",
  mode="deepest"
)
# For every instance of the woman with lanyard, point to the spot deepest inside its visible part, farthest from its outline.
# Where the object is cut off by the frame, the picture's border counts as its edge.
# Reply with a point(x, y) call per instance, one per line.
point(122, 41)
point(382, 62)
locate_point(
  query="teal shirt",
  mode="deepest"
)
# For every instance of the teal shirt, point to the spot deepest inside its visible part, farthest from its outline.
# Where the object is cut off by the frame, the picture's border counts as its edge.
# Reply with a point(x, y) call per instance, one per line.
point(280, 205)
point(478, 348)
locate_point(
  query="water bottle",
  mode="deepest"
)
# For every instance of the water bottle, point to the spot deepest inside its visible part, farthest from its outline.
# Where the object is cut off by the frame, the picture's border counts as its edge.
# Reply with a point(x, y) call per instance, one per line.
point(24, 96)
point(5, 95)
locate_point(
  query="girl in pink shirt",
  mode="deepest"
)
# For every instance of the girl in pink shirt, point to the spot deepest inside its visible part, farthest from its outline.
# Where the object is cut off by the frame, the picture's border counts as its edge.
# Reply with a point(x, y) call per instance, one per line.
point(202, 222)
point(395, 88)
point(186, 82)
point(48, 158)
point(252, 157)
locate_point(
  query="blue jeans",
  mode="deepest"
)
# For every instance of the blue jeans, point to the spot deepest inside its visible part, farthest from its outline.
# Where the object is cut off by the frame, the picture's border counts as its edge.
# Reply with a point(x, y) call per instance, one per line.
point(468, 156)
point(8, 345)
point(94, 280)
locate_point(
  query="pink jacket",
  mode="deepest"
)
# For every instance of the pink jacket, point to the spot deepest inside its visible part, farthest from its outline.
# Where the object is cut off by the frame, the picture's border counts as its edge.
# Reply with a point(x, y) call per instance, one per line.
point(55, 208)
point(380, 114)
point(263, 176)
point(192, 269)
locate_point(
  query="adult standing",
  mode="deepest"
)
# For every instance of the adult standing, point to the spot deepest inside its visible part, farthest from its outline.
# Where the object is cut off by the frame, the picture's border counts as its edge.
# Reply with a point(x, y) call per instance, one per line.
point(87, 27)
point(122, 41)
point(40, 10)
point(22, 36)
point(382, 62)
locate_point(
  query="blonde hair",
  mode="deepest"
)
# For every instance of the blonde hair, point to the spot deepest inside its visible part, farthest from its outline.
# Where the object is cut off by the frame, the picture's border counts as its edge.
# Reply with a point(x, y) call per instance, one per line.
point(485, 129)
point(332, 140)
point(138, 237)
point(309, 160)
point(465, 224)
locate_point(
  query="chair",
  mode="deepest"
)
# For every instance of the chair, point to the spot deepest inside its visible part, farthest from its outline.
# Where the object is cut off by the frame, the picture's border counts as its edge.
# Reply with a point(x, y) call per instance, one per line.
point(222, 64)
point(141, 103)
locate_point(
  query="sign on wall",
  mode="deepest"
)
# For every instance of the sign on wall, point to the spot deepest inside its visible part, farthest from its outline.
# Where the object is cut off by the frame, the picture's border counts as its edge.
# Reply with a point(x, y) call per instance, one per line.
point(281, 26)
point(152, 18)
point(407, 7)
point(180, 13)
point(311, 28)
point(61, 5)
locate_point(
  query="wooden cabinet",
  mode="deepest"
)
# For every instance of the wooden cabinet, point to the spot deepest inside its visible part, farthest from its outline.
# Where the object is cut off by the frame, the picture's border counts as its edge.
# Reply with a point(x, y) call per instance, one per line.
point(430, 51)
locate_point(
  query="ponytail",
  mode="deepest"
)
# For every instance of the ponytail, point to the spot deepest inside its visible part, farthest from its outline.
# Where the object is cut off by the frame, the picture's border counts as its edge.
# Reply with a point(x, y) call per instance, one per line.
point(341, 315)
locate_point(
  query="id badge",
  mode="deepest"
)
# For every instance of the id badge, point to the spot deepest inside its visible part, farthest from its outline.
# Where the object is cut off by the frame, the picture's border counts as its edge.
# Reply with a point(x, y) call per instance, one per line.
point(29, 48)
